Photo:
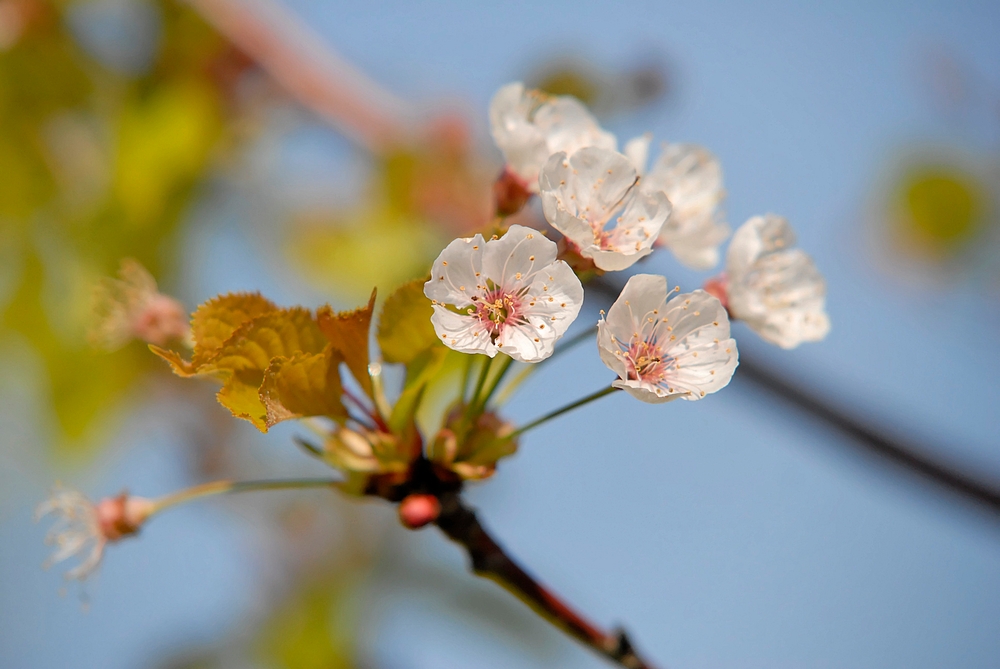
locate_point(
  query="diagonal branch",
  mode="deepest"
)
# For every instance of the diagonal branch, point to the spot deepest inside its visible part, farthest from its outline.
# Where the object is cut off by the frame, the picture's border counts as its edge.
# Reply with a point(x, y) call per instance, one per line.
point(892, 449)
point(460, 524)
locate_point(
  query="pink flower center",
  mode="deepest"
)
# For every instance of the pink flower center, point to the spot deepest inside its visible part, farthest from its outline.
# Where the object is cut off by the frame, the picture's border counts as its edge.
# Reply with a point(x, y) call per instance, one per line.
point(645, 361)
point(497, 309)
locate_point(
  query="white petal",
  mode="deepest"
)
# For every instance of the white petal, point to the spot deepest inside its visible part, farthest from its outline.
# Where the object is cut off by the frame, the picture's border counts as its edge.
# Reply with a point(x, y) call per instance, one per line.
point(643, 294)
point(465, 334)
point(522, 143)
point(513, 260)
point(529, 126)
point(645, 393)
point(634, 233)
point(637, 150)
point(590, 183)
point(759, 235)
point(554, 299)
point(453, 275)
point(705, 368)
point(691, 178)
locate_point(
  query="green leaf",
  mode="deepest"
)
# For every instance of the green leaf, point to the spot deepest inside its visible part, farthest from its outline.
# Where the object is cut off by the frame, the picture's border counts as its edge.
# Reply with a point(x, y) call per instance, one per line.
point(404, 326)
point(419, 373)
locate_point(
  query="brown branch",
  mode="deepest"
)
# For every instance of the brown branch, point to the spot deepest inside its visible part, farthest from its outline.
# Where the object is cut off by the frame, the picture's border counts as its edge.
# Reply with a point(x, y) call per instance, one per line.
point(892, 449)
point(460, 524)
point(309, 70)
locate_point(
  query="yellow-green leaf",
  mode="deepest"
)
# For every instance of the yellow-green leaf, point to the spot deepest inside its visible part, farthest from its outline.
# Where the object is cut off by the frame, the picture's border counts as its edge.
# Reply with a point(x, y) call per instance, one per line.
point(306, 384)
point(348, 332)
point(215, 321)
point(243, 359)
point(404, 326)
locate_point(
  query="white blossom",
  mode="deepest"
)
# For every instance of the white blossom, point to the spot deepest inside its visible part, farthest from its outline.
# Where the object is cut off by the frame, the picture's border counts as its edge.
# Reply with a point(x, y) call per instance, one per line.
point(691, 178)
point(529, 126)
point(663, 350)
point(773, 287)
point(582, 193)
point(508, 294)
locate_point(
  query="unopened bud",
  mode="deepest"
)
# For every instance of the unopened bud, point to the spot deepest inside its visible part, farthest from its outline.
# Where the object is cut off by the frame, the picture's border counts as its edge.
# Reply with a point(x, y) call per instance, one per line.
point(418, 510)
point(511, 193)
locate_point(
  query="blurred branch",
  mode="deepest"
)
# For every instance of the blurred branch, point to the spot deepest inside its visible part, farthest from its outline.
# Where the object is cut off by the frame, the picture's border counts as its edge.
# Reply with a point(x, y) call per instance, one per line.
point(891, 449)
point(309, 70)
point(459, 523)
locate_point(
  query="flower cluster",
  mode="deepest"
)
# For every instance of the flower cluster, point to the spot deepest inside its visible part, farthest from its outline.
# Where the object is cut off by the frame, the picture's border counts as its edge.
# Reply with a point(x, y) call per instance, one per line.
point(503, 296)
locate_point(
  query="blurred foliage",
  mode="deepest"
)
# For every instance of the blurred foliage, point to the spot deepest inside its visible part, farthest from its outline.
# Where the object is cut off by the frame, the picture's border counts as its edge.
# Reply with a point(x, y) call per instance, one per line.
point(606, 93)
point(944, 207)
point(315, 628)
point(99, 161)
point(419, 197)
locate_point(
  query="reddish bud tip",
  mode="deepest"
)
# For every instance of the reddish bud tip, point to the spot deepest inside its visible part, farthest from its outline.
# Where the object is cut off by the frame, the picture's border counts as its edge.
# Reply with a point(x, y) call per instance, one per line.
point(719, 287)
point(418, 510)
point(511, 193)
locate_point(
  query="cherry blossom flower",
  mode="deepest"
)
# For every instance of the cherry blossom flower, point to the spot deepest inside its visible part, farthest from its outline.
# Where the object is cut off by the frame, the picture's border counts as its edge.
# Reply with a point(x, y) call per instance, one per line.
point(771, 286)
point(583, 192)
point(691, 178)
point(663, 350)
point(529, 126)
point(131, 307)
point(83, 528)
point(508, 294)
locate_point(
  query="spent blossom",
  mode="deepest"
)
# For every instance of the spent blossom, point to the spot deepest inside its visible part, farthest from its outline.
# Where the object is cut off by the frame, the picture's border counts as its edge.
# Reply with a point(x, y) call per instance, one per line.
point(131, 307)
point(691, 178)
point(83, 528)
point(529, 126)
point(663, 350)
point(771, 286)
point(508, 294)
point(582, 193)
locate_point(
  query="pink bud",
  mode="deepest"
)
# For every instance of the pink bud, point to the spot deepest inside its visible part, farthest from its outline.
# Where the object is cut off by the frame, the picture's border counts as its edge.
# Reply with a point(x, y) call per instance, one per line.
point(418, 510)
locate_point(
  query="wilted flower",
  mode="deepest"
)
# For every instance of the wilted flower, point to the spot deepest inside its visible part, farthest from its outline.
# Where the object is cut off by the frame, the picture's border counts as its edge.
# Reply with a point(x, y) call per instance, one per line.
point(774, 288)
point(529, 126)
point(664, 350)
point(130, 307)
point(583, 192)
point(508, 294)
point(691, 178)
point(83, 528)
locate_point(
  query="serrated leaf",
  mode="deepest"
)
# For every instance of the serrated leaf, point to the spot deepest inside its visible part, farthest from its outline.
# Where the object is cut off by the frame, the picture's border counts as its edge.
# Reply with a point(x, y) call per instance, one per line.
point(404, 326)
point(248, 353)
point(215, 321)
point(307, 384)
point(347, 332)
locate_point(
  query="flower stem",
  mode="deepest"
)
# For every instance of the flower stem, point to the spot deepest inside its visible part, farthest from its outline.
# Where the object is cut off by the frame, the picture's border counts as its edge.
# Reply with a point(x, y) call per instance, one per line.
point(504, 365)
point(523, 375)
point(480, 382)
point(225, 487)
point(561, 410)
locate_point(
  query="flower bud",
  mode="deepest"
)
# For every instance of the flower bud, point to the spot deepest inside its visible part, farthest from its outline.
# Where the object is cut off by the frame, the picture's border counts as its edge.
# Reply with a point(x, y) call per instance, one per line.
point(418, 510)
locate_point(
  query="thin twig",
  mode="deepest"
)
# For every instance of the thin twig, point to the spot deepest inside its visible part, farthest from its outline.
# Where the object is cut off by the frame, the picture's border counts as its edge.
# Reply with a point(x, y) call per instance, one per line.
point(460, 524)
point(309, 70)
point(892, 449)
